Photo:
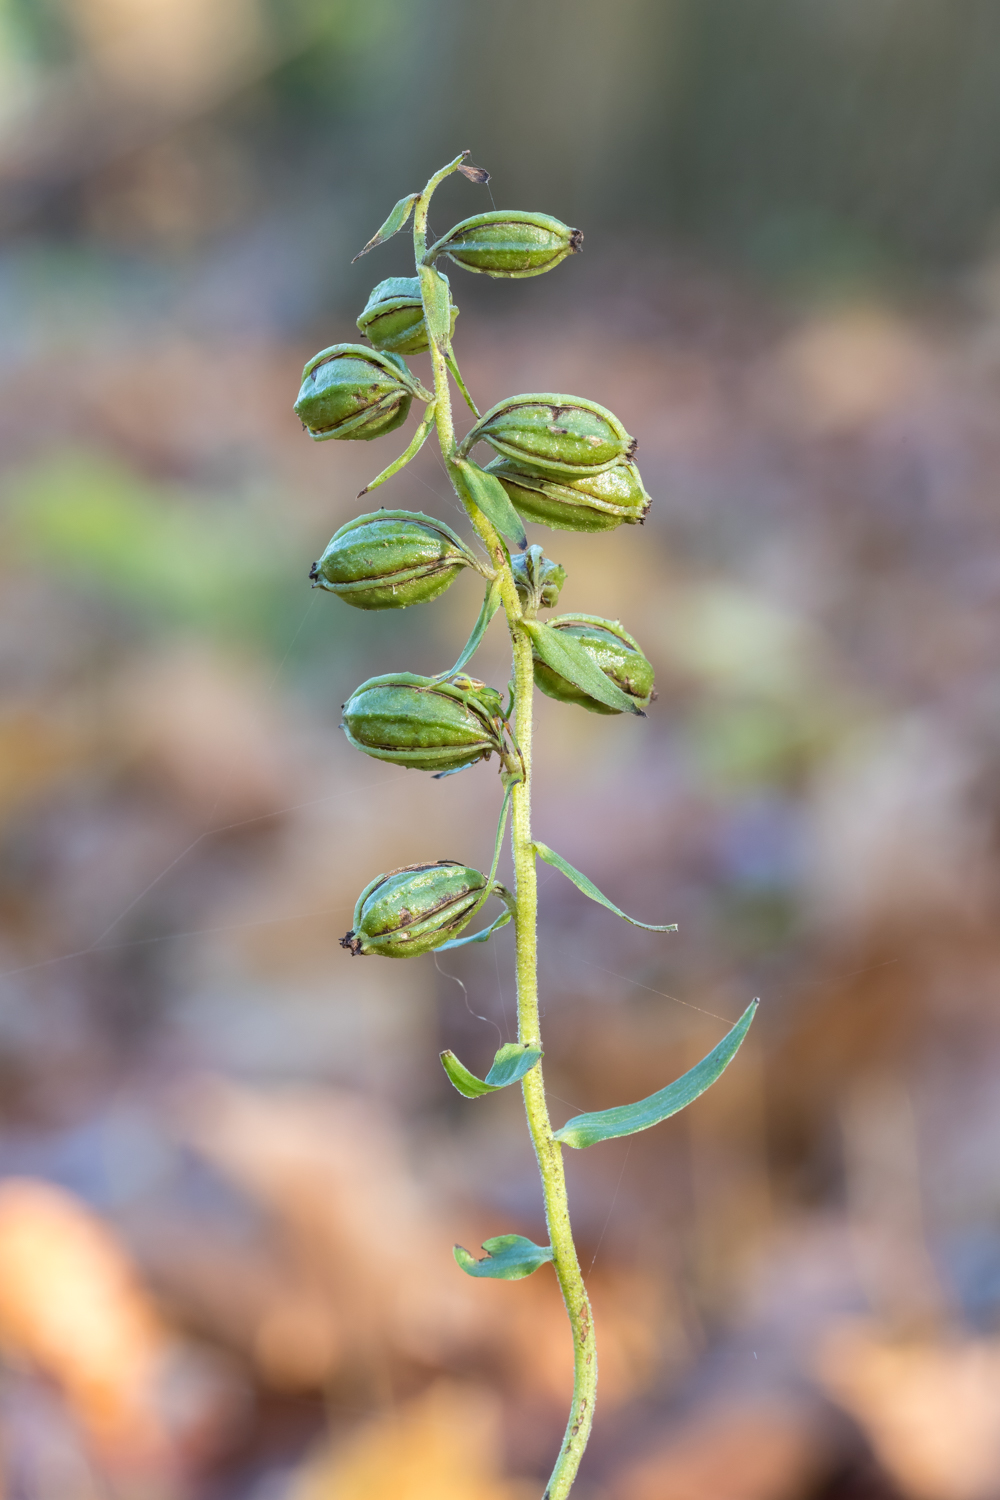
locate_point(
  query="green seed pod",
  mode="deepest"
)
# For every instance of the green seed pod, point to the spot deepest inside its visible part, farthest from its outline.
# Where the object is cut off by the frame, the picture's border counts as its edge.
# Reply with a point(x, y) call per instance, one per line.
point(598, 503)
point(349, 391)
point(414, 909)
point(507, 243)
point(394, 316)
point(538, 579)
point(558, 437)
point(425, 723)
point(613, 650)
point(390, 559)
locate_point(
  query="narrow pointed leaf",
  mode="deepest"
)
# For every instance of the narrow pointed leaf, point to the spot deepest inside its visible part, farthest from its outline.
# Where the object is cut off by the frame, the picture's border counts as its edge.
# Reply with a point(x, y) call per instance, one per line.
point(452, 364)
point(416, 443)
point(488, 494)
point(491, 888)
point(565, 655)
point(393, 224)
point(590, 889)
point(437, 306)
point(626, 1119)
point(491, 604)
point(509, 1257)
point(477, 937)
point(509, 1066)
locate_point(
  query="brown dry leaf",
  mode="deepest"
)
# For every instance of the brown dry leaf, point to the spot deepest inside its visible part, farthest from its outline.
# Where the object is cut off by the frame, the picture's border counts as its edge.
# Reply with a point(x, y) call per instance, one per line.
point(931, 1410)
point(70, 1306)
point(442, 1446)
point(741, 1452)
point(332, 1170)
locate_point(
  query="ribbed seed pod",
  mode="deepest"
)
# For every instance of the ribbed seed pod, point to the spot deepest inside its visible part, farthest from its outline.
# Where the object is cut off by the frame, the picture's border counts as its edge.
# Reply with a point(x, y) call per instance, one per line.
point(390, 559)
point(394, 316)
point(349, 391)
point(559, 437)
point(598, 503)
point(612, 649)
point(424, 723)
point(508, 243)
point(414, 909)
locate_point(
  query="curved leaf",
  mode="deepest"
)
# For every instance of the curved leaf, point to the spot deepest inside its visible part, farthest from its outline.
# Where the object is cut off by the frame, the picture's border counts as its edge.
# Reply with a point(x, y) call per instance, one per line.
point(509, 1066)
point(488, 495)
point(567, 656)
point(416, 443)
point(626, 1119)
point(509, 1257)
point(393, 224)
point(491, 604)
point(590, 889)
point(477, 937)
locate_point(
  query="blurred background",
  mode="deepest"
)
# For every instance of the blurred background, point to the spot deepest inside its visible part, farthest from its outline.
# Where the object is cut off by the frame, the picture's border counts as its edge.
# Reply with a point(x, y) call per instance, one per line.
point(232, 1167)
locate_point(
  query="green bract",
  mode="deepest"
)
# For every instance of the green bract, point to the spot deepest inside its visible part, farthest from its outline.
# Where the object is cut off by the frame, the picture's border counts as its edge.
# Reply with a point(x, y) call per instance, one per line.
point(537, 578)
point(559, 437)
point(414, 909)
point(597, 503)
point(394, 316)
point(349, 391)
point(425, 723)
point(390, 559)
point(507, 243)
point(612, 649)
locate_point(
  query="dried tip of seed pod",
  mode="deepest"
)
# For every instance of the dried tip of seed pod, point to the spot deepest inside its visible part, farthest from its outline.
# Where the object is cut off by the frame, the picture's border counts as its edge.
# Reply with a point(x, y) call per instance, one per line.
point(632, 449)
point(575, 241)
point(351, 942)
point(314, 571)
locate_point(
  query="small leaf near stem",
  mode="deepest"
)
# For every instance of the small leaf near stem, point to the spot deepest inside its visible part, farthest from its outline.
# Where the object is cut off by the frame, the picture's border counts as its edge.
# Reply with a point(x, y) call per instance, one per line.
point(437, 307)
point(509, 1257)
point(564, 654)
point(456, 373)
point(492, 887)
point(588, 888)
point(491, 604)
point(509, 1066)
point(488, 495)
point(627, 1119)
point(393, 224)
point(416, 443)
point(487, 932)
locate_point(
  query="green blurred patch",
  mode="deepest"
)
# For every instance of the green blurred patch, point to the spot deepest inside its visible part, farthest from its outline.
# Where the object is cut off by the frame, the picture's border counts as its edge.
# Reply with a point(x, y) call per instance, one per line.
point(169, 554)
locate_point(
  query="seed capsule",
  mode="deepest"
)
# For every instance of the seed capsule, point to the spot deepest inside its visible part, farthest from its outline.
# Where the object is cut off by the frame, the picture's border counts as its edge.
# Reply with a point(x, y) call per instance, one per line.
point(613, 650)
point(558, 437)
point(508, 243)
point(424, 723)
point(414, 909)
point(537, 578)
point(394, 316)
point(349, 391)
point(598, 503)
point(390, 559)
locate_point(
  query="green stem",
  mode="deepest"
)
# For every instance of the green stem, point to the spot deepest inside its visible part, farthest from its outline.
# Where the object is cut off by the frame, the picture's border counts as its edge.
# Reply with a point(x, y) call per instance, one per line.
point(548, 1152)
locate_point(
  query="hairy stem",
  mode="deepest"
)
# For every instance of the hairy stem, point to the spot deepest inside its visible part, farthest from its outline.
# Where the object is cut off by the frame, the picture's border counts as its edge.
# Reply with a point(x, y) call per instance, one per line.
point(547, 1150)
